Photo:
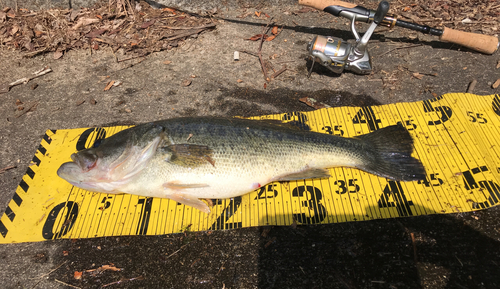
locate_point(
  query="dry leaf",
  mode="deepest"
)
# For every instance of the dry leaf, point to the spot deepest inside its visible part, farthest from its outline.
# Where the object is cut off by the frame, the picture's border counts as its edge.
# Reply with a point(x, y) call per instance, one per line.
point(14, 30)
point(418, 75)
point(95, 33)
point(239, 80)
point(304, 10)
point(496, 84)
point(270, 38)
point(84, 21)
point(168, 9)
point(109, 267)
point(147, 24)
point(275, 30)
point(108, 86)
point(58, 54)
point(77, 275)
point(39, 33)
point(167, 62)
point(256, 37)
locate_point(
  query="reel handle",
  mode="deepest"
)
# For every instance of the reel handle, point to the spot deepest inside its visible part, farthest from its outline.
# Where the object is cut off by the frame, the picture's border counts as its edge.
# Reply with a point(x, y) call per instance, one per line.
point(383, 8)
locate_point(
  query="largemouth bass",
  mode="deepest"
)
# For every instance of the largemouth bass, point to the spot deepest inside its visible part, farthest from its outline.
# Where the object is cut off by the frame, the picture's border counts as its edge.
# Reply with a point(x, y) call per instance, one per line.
point(193, 158)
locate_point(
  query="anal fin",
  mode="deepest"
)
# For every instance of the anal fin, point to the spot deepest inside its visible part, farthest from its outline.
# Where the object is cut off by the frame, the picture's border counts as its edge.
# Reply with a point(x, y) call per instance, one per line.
point(190, 201)
point(306, 174)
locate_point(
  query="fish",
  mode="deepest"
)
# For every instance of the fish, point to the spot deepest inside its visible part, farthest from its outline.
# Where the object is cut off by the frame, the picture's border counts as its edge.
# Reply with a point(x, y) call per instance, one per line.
point(191, 159)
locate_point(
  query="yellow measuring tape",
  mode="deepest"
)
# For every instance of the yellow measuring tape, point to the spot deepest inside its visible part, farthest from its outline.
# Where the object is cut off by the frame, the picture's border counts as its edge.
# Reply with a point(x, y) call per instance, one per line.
point(456, 138)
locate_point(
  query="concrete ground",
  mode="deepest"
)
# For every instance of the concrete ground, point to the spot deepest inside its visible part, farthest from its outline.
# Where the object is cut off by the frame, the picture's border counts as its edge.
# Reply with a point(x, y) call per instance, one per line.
point(454, 251)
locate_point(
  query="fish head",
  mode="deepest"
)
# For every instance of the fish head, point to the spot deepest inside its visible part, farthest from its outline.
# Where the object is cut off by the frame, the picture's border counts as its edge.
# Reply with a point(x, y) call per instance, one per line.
point(115, 162)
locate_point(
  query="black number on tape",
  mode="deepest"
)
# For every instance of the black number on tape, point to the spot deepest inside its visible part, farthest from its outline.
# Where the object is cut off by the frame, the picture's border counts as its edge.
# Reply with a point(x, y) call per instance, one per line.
point(476, 117)
point(408, 124)
point(336, 130)
point(496, 104)
point(263, 192)
point(353, 187)
point(433, 181)
point(445, 111)
point(394, 196)
point(106, 203)
point(70, 211)
point(297, 119)
point(319, 211)
point(100, 134)
point(142, 227)
point(367, 115)
point(491, 187)
point(227, 213)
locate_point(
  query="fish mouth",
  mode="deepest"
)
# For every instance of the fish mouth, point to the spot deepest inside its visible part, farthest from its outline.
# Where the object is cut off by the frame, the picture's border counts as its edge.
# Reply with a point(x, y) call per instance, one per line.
point(70, 172)
point(86, 161)
point(73, 174)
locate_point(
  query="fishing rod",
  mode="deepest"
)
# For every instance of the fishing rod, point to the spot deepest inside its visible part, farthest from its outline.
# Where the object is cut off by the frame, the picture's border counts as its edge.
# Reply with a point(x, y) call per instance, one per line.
point(337, 55)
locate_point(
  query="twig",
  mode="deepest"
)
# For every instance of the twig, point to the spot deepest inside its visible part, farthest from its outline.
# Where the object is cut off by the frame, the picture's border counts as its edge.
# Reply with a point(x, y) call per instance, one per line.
point(472, 85)
point(249, 52)
point(32, 106)
point(7, 168)
point(34, 286)
point(278, 72)
point(187, 28)
point(184, 34)
point(129, 58)
point(259, 52)
point(116, 57)
point(414, 246)
point(123, 280)
point(69, 285)
point(221, 266)
point(25, 80)
point(403, 47)
point(46, 274)
point(176, 251)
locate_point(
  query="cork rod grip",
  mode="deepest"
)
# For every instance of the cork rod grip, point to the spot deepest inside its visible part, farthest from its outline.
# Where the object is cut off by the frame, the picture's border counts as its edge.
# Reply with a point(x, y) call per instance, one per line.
point(483, 43)
point(322, 4)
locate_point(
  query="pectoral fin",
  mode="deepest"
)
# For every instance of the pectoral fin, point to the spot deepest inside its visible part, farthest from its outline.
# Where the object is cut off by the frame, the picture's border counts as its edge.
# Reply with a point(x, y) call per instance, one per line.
point(189, 155)
point(190, 201)
point(306, 174)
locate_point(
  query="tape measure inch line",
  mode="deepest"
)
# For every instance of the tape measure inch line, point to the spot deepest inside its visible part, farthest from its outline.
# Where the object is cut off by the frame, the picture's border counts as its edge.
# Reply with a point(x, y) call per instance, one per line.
point(455, 138)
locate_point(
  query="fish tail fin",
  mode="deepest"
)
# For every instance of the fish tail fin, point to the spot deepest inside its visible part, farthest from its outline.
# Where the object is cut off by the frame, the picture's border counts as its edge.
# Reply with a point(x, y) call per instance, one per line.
point(390, 154)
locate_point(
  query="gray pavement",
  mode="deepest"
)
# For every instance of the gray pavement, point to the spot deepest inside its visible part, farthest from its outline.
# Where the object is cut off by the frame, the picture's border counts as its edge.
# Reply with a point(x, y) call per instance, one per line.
point(456, 251)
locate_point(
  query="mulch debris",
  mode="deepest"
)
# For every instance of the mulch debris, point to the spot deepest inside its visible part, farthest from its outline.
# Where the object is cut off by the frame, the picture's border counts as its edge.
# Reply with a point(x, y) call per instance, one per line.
point(478, 16)
point(136, 28)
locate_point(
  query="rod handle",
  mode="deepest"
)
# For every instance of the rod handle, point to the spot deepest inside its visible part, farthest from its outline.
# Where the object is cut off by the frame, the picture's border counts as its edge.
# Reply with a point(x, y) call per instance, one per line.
point(483, 43)
point(322, 4)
